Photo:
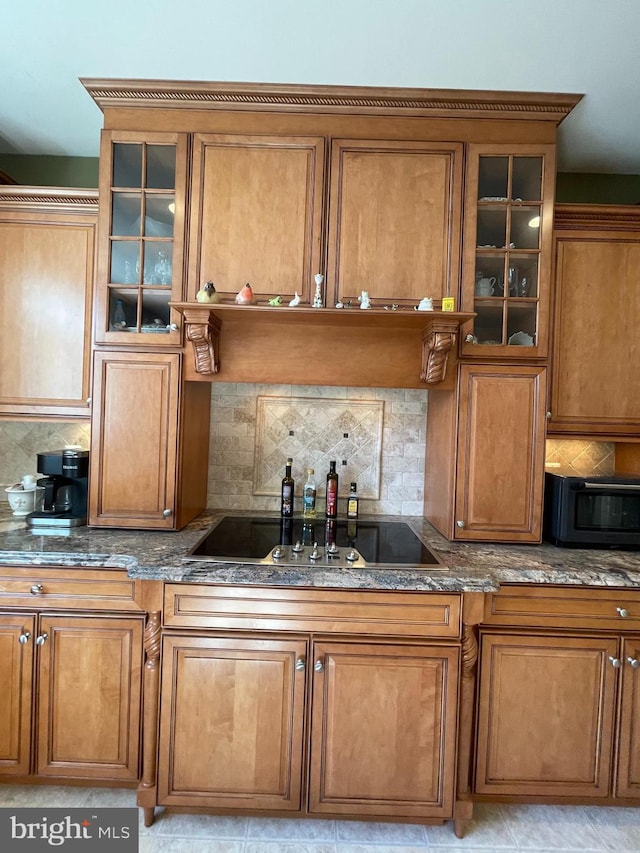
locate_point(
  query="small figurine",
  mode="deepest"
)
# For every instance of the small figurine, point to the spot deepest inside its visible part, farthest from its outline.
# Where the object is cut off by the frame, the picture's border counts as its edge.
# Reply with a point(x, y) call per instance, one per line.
point(277, 300)
point(364, 300)
point(425, 304)
point(208, 294)
point(317, 299)
point(245, 296)
point(295, 301)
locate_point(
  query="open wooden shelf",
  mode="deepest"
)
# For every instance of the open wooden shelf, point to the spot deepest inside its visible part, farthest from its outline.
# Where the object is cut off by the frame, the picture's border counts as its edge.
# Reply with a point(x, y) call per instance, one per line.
point(343, 342)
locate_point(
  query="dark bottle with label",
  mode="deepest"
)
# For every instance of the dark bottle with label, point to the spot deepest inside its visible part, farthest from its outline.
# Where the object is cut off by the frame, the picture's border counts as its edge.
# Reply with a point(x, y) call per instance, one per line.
point(332, 491)
point(352, 501)
point(286, 494)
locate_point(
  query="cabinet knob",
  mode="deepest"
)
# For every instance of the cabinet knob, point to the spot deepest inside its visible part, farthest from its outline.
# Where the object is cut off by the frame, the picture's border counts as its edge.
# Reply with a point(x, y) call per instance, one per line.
point(88, 401)
point(166, 513)
point(633, 662)
point(460, 524)
point(173, 327)
point(615, 662)
point(623, 612)
point(318, 666)
point(37, 589)
point(300, 665)
point(42, 639)
point(24, 637)
point(548, 416)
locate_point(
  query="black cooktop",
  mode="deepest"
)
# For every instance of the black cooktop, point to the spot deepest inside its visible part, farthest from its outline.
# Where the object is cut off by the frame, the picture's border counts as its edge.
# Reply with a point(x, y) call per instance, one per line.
point(238, 537)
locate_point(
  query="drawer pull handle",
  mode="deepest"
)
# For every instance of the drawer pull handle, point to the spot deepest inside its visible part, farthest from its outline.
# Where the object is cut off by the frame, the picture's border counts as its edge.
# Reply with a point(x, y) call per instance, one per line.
point(615, 662)
point(37, 589)
point(300, 665)
point(42, 639)
point(318, 666)
point(633, 662)
point(623, 612)
point(24, 637)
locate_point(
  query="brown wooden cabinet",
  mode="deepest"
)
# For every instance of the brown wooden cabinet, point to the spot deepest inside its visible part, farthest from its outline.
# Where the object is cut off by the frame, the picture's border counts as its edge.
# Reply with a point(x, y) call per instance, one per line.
point(256, 214)
point(319, 702)
point(231, 722)
point(72, 679)
point(558, 697)
point(595, 388)
point(394, 220)
point(149, 442)
point(508, 239)
point(485, 455)
point(47, 247)
point(383, 730)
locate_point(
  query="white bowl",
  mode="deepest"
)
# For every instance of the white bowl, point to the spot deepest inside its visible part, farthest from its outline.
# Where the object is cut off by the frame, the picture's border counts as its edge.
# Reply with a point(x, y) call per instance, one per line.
point(23, 501)
point(521, 339)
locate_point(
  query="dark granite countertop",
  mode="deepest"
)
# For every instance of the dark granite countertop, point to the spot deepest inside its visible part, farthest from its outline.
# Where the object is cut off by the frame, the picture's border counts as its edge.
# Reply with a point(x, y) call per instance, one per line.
point(158, 555)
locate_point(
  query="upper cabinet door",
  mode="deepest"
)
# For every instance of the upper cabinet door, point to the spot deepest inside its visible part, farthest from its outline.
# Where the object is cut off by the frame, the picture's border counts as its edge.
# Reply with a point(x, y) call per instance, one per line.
point(256, 214)
point(394, 221)
point(596, 344)
point(141, 237)
point(47, 248)
point(507, 249)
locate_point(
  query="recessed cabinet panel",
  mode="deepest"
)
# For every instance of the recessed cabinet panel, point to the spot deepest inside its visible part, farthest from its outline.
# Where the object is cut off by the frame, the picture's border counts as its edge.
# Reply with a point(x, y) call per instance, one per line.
point(545, 715)
point(394, 221)
point(231, 722)
point(90, 681)
point(134, 453)
point(628, 775)
point(17, 636)
point(256, 214)
point(383, 729)
point(596, 349)
point(46, 290)
point(501, 453)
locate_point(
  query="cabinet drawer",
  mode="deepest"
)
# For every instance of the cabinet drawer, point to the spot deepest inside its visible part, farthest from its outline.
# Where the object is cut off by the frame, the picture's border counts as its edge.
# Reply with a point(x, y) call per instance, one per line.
point(414, 614)
point(564, 607)
point(54, 587)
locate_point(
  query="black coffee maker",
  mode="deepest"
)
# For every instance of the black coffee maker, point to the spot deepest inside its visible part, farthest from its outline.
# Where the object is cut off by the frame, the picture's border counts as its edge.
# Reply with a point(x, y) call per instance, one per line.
point(65, 489)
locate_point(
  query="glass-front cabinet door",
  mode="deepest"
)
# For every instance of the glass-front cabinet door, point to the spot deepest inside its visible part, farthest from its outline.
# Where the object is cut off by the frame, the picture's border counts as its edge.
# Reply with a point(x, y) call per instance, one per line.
point(507, 250)
point(140, 260)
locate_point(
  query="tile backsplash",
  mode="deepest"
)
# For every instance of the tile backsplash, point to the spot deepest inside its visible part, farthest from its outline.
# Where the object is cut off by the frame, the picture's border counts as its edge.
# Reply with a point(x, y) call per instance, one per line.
point(21, 441)
point(379, 433)
point(582, 458)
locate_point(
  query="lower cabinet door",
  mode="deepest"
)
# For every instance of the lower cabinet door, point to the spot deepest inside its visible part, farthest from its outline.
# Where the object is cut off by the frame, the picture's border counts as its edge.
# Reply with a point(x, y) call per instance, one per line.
point(546, 715)
point(383, 730)
point(16, 674)
point(231, 722)
point(89, 696)
point(628, 775)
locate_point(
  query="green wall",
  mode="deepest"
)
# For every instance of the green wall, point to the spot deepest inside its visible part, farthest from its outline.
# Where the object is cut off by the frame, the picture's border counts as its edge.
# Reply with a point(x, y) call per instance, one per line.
point(571, 187)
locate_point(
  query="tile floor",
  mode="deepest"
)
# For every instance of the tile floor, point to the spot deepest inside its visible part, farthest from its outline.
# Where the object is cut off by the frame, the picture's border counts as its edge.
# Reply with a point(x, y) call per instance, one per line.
point(495, 829)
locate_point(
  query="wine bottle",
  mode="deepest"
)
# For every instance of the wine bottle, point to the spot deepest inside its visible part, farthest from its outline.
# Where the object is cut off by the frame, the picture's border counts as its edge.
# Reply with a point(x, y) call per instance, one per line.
point(332, 491)
point(309, 496)
point(286, 493)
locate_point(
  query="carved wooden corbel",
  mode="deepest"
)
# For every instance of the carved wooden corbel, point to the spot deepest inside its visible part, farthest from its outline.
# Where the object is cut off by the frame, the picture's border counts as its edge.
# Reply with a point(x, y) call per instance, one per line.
point(203, 331)
point(437, 342)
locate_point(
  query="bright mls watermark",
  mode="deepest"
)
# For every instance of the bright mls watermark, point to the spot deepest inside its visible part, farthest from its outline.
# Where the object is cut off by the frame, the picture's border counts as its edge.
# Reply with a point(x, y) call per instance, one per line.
point(74, 830)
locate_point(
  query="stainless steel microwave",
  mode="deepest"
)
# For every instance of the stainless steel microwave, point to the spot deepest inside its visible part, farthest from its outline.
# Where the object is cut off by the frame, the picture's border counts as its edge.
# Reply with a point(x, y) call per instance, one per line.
point(592, 512)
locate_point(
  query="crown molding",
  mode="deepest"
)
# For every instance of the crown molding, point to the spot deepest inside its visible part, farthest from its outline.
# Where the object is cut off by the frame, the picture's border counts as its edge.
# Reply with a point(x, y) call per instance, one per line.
point(603, 216)
point(57, 198)
point(268, 97)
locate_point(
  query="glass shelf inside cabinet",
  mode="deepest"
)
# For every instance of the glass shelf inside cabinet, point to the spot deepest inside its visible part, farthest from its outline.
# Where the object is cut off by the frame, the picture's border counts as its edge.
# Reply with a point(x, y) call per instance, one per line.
point(142, 235)
point(507, 254)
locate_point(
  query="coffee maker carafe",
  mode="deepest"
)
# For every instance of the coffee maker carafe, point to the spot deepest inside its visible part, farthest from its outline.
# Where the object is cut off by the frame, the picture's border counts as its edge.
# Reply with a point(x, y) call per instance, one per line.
point(65, 489)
